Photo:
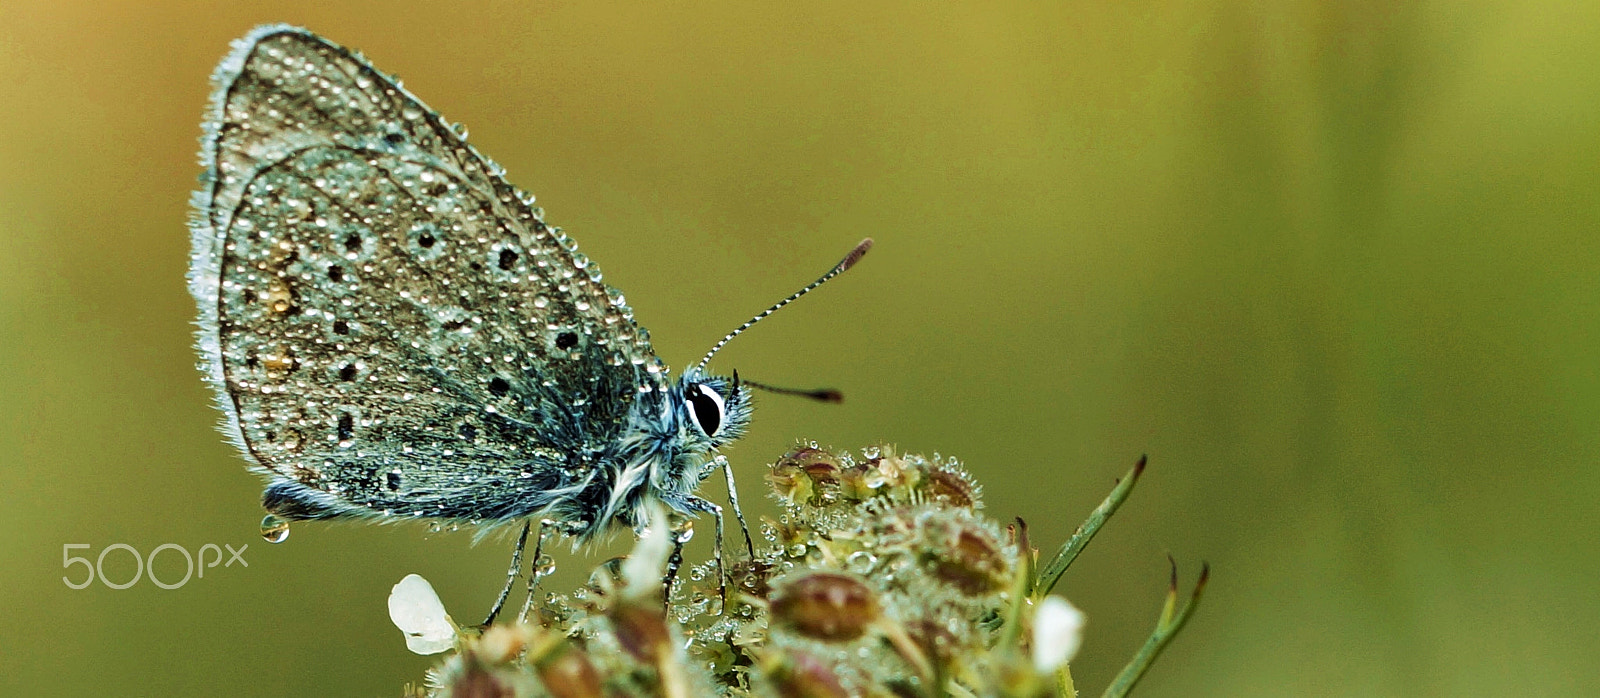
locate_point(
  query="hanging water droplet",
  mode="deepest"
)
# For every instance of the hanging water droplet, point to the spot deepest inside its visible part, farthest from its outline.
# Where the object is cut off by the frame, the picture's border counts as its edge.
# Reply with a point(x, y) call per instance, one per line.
point(684, 532)
point(544, 566)
point(274, 529)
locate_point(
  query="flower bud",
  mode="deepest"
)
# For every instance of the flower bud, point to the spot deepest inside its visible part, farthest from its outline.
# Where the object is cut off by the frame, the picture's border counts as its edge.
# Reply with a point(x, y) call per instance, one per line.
point(802, 476)
point(952, 487)
point(501, 643)
point(641, 628)
point(753, 577)
point(825, 606)
point(475, 681)
point(570, 674)
point(969, 560)
point(801, 675)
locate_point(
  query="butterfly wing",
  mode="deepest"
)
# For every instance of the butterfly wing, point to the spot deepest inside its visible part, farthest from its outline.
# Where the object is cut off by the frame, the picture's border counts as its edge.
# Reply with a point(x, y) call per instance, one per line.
point(390, 326)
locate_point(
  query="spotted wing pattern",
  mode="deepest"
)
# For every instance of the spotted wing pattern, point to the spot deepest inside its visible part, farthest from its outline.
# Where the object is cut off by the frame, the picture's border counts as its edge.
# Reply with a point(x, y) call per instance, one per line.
point(390, 326)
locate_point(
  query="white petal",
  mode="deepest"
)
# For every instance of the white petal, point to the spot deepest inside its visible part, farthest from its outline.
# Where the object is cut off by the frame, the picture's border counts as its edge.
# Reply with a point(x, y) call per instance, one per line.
point(646, 565)
point(415, 609)
point(1057, 632)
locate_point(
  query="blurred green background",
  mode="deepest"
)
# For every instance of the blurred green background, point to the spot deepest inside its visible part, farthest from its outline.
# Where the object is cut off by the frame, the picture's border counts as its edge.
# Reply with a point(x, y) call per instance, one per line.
point(1333, 265)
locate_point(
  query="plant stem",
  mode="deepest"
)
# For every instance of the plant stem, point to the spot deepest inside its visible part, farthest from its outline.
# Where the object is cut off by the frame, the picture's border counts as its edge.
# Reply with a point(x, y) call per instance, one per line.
point(1171, 621)
point(1080, 539)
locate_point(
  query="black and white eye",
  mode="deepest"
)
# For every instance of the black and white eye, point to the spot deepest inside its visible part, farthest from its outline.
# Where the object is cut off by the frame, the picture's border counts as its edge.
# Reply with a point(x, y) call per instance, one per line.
point(707, 407)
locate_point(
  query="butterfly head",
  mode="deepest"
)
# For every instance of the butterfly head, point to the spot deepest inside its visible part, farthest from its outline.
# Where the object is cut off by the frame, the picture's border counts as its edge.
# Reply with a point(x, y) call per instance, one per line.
point(713, 410)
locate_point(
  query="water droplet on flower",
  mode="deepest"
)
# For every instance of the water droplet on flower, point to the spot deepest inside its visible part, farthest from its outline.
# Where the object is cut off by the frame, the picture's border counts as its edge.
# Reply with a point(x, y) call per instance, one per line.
point(860, 562)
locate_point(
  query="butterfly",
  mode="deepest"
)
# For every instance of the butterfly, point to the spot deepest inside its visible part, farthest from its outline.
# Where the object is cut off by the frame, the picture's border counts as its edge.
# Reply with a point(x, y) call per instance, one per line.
point(393, 332)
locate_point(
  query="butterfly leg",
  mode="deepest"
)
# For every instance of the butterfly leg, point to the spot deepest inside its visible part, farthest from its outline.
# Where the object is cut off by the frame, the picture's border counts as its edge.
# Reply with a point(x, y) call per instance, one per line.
point(698, 504)
point(511, 574)
point(733, 501)
point(674, 561)
point(533, 575)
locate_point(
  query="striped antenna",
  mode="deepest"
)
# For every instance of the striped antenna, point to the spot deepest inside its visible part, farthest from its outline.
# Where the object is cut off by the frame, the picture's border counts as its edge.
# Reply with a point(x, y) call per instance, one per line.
point(840, 268)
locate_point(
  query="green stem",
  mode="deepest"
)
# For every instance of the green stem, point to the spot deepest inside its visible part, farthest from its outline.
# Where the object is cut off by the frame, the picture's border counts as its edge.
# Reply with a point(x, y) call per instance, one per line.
point(1172, 620)
point(1064, 687)
point(1080, 539)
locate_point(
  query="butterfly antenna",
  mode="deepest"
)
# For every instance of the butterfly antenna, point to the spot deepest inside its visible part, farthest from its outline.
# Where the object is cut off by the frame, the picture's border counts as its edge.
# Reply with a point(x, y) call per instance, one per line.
point(820, 395)
point(840, 268)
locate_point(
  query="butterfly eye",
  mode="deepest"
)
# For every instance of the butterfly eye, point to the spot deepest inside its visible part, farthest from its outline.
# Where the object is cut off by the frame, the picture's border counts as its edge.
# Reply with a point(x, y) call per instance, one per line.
point(707, 407)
